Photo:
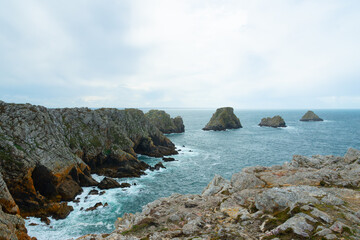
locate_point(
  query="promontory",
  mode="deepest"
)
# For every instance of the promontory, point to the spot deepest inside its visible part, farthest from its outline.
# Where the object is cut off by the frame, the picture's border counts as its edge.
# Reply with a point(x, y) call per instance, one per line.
point(275, 122)
point(164, 123)
point(47, 155)
point(310, 116)
point(224, 118)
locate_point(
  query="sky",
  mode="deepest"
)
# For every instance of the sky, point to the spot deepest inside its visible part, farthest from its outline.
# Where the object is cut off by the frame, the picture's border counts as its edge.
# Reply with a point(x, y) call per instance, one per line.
point(278, 54)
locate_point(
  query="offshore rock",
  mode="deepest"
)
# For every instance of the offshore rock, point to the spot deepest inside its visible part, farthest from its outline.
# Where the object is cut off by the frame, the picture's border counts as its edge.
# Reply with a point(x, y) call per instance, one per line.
point(274, 122)
point(164, 123)
point(108, 183)
point(47, 155)
point(222, 119)
point(310, 116)
point(308, 198)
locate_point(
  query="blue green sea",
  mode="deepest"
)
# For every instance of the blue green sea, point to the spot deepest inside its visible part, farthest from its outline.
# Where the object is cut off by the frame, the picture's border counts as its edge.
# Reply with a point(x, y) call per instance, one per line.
point(205, 153)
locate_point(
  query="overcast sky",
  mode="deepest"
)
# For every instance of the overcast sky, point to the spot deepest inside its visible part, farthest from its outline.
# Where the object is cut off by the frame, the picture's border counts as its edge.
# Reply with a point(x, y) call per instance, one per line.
point(178, 53)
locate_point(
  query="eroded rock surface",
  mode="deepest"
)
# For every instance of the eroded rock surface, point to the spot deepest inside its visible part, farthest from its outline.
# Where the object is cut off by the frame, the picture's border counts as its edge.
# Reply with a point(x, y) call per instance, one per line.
point(275, 122)
point(310, 116)
point(309, 198)
point(47, 155)
point(164, 122)
point(222, 119)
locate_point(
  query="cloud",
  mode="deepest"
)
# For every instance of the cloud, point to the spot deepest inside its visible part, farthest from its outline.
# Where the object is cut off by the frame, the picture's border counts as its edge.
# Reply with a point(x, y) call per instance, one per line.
point(168, 53)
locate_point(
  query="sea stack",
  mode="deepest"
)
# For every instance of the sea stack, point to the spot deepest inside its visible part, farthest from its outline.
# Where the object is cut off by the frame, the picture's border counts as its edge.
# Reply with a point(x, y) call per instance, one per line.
point(310, 116)
point(224, 118)
point(164, 123)
point(275, 122)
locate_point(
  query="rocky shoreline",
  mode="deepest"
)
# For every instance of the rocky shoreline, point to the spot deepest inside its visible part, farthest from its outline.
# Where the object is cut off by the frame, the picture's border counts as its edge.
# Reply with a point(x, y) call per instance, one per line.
point(47, 155)
point(309, 198)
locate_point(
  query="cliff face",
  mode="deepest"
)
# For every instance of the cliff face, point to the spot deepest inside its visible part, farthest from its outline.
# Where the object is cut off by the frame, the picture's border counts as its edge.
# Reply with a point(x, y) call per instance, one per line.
point(164, 123)
point(309, 198)
point(46, 155)
point(222, 119)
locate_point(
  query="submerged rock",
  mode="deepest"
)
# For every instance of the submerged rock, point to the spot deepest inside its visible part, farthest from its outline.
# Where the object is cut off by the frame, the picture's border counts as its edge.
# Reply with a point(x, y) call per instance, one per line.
point(164, 123)
point(310, 116)
point(222, 119)
point(274, 122)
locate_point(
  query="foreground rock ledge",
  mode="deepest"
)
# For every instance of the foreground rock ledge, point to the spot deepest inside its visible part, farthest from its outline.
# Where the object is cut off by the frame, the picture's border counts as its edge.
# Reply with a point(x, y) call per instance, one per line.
point(222, 119)
point(309, 198)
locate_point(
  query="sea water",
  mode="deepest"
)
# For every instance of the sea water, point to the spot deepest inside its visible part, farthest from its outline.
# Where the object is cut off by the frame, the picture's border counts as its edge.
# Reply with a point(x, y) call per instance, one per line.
point(202, 155)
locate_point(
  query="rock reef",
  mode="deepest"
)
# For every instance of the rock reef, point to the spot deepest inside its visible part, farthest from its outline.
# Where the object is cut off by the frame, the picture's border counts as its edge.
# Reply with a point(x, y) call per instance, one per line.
point(47, 155)
point(310, 116)
point(222, 119)
point(275, 122)
point(309, 198)
point(164, 123)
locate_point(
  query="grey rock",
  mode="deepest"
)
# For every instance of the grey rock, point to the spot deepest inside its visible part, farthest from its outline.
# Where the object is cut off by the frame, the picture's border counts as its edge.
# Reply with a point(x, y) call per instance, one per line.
point(338, 227)
point(217, 185)
point(164, 123)
point(242, 180)
point(324, 232)
point(322, 215)
point(352, 155)
point(298, 224)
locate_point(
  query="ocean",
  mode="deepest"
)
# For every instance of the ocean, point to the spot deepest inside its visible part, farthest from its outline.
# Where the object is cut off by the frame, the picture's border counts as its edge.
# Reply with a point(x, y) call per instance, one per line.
point(206, 153)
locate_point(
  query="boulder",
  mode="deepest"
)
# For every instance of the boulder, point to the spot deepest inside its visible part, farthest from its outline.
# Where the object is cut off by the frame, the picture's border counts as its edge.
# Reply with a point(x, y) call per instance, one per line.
point(108, 183)
point(310, 116)
point(222, 119)
point(168, 159)
point(274, 122)
point(164, 123)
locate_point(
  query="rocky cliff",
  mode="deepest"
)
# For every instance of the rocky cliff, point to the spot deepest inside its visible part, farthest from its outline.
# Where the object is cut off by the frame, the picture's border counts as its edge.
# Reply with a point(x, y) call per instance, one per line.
point(46, 155)
point(164, 123)
point(309, 198)
point(310, 116)
point(222, 119)
point(274, 122)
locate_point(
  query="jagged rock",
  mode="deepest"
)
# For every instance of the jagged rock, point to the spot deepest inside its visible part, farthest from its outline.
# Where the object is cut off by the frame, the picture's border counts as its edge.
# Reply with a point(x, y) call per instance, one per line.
point(164, 123)
point(222, 119)
point(157, 166)
point(217, 184)
point(108, 183)
point(12, 227)
point(125, 185)
point(242, 180)
point(310, 116)
point(168, 159)
point(274, 122)
point(299, 224)
point(93, 192)
point(45, 220)
point(94, 207)
point(46, 155)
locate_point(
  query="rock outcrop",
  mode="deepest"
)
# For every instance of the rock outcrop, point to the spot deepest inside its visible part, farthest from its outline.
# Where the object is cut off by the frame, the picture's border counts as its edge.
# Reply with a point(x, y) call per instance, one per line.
point(164, 123)
point(274, 122)
point(310, 116)
point(222, 119)
point(309, 198)
point(47, 155)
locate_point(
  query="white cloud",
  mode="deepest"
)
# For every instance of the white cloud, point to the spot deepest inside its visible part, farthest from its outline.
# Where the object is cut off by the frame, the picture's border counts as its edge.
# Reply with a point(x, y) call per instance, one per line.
point(248, 54)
